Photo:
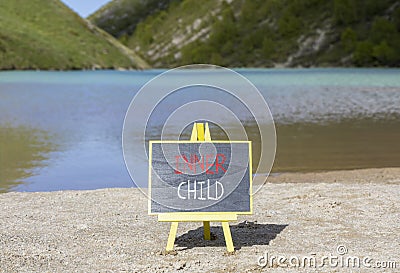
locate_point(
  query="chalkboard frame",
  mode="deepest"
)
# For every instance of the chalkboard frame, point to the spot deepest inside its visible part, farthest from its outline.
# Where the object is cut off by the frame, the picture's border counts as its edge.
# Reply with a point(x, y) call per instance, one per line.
point(249, 212)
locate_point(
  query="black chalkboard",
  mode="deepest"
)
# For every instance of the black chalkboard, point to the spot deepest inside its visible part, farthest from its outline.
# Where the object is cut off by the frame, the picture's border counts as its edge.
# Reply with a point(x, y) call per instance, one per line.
point(189, 176)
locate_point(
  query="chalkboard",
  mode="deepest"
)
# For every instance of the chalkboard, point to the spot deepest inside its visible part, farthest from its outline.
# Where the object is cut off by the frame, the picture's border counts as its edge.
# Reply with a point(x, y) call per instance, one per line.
point(195, 177)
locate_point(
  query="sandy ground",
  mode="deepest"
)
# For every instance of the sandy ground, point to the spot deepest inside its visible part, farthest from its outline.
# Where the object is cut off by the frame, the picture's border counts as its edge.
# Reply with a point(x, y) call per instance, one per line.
point(331, 216)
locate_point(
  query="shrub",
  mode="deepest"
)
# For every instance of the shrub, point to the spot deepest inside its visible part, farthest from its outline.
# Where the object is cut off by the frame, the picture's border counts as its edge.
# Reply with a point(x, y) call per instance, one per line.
point(363, 55)
point(345, 11)
point(348, 39)
point(384, 53)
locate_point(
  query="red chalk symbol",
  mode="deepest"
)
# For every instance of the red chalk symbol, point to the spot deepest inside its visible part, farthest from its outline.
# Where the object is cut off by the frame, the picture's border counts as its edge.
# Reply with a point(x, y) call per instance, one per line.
point(181, 162)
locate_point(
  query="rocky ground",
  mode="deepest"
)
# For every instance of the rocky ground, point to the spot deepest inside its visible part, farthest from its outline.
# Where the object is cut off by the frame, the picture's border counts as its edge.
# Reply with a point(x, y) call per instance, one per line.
point(334, 219)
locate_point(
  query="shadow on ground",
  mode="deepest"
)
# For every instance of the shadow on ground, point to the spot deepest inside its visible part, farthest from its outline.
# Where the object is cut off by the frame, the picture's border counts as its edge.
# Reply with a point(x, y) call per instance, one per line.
point(243, 234)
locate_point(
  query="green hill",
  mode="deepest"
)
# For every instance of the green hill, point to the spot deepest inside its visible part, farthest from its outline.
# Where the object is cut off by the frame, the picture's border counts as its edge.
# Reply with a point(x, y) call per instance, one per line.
point(120, 17)
point(260, 33)
point(45, 34)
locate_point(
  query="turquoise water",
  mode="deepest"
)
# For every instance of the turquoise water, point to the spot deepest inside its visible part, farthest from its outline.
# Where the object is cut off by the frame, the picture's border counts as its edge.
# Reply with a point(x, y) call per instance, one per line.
point(62, 130)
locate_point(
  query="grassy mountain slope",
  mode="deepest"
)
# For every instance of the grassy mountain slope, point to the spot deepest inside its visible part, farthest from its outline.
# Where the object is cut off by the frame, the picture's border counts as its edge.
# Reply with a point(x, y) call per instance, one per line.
point(45, 34)
point(264, 33)
point(120, 17)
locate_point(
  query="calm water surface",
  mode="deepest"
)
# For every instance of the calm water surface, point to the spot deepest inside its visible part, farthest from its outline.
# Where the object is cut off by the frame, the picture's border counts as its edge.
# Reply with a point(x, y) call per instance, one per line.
point(62, 130)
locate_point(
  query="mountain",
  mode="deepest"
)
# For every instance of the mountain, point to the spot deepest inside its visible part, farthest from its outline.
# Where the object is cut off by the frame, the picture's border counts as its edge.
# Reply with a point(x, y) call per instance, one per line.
point(45, 34)
point(120, 17)
point(258, 33)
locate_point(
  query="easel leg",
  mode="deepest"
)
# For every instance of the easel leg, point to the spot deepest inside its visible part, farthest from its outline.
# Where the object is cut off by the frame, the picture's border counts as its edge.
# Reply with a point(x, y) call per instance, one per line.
point(172, 236)
point(207, 235)
point(228, 237)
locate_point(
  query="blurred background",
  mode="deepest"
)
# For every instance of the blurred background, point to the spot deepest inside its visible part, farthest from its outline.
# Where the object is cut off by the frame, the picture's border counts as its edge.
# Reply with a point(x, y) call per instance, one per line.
point(328, 70)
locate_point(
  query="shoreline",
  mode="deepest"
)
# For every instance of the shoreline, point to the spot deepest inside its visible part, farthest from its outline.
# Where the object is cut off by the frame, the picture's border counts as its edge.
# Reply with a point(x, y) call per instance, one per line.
point(310, 68)
point(366, 175)
point(294, 215)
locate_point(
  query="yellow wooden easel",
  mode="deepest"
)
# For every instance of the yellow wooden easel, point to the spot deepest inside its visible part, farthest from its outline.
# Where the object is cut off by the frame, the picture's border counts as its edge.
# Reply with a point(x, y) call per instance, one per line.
point(199, 133)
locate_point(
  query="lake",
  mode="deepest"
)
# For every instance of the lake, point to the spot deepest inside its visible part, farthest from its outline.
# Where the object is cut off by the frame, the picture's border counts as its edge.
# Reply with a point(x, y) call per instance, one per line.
point(62, 130)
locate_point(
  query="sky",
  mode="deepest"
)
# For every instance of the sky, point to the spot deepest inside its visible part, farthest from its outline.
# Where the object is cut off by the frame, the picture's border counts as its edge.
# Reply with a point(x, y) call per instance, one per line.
point(85, 7)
